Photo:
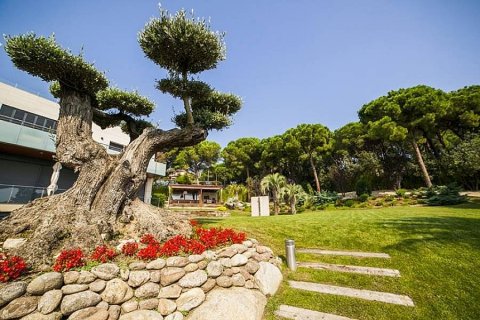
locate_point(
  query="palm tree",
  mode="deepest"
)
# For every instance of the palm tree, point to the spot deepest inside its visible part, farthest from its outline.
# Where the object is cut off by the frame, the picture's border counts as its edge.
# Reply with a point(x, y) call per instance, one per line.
point(273, 183)
point(291, 193)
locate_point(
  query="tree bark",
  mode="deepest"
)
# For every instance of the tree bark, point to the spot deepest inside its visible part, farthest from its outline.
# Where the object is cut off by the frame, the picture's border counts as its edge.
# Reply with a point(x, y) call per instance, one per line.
point(102, 202)
point(315, 175)
point(421, 164)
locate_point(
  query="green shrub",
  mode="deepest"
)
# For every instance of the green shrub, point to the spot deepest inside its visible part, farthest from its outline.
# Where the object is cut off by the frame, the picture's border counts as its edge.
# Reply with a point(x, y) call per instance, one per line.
point(401, 192)
point(389, 198)
point(363, 205)
point(159, 200)
point(349, 203)
point(363, 197)
point(362, 186)
point(222, 208)
point(323, 198)
point(445, 195)
point(184, 179)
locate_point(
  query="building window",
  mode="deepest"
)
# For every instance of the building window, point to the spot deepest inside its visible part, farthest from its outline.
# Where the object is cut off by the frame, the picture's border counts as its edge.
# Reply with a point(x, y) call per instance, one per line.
point(27, 119)
point(116, 146)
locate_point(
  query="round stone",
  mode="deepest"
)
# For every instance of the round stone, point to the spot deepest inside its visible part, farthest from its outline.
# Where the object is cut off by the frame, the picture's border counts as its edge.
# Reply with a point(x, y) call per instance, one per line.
point(117, 291)
point(209, 285)
point(106, 271)
point(70, 277)
point(50, 301)
point(165, 306)
point(19, 307)
point(137, 278)
point(74, 288)
point(156, 264)
point(193, 279)
point(177, 262)
point(77, 301)
point(224, 281)
point(238, 280)
point(148, 304)
point(214, 269)
point(129, 306)
point(194, 258)
point(91, 313)
point(12, 291)
point(137, 265)
point(97, 285)
point(191, 267)
point(172, 291)
point(45, 282)
point(142, 315)
point(86, 277)
point(190, 299)
point(238, 260)
point(252, 266)
point(175, 316)
point(170, 275)
point(148, 290)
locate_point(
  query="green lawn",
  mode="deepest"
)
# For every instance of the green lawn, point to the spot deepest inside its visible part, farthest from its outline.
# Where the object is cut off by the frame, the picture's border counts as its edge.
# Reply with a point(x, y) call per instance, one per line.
point(436, 249)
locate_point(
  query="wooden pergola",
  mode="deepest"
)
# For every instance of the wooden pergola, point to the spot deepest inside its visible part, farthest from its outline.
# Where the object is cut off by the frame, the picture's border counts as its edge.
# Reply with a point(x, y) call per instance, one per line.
point(196, 193)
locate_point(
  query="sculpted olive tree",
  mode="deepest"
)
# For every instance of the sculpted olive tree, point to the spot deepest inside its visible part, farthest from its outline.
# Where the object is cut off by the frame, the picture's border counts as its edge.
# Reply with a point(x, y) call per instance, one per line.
point(102, 202)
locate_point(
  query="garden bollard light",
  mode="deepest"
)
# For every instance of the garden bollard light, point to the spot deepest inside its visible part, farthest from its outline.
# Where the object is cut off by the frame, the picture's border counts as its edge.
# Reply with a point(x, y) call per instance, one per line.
point(290, 254)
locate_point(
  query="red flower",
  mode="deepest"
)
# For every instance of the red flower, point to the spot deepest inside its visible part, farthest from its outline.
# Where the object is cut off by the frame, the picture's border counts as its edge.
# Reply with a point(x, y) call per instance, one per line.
point(11, 267)
point(130, 248)
point(69, 259)
point(103, 254)
point(148, 238)
point(150, 252)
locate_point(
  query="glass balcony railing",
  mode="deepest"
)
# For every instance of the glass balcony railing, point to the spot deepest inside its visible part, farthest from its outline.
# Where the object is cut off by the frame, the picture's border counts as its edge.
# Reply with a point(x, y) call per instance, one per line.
point(15, 194)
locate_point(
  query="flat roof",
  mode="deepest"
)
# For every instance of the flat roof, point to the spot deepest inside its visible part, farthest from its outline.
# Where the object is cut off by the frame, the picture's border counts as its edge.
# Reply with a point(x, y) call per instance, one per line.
point(195, 187)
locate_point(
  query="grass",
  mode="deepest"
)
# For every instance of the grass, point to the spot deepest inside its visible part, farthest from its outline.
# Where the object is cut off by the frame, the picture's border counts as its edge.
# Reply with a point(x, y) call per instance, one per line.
point(436, 249)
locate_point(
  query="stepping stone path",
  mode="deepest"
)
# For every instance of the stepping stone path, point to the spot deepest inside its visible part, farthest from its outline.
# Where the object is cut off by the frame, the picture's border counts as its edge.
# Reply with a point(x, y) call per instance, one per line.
point(291, 312)
point(353, 269)
point(346, 253)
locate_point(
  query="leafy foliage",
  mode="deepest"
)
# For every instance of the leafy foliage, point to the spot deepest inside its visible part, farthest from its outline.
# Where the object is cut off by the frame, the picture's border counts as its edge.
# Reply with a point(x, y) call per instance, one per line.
point(181, 44)
point(445, 195)
point(127, 102)
point(69, 259)
point(43, 57)
point(11, 267)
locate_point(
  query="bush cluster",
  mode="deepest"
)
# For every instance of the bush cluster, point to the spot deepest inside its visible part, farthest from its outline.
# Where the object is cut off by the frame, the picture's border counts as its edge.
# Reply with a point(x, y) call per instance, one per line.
point(11, 267)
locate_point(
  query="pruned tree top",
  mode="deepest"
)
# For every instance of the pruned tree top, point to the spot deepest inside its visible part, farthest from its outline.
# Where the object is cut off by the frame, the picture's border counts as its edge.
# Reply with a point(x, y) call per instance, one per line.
point(182, 44)
point(43, 57)
point(126, 102)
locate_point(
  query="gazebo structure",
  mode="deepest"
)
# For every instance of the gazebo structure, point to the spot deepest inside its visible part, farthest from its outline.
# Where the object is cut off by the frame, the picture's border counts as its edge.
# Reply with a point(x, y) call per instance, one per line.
point(206, 193)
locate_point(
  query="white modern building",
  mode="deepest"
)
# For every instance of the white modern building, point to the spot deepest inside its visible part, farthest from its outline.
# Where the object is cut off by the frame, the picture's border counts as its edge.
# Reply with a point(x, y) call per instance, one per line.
point(27, 145)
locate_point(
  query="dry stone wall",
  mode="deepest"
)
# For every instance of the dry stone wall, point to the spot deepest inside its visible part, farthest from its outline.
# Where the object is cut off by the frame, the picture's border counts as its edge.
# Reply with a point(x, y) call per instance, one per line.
point(232, 280)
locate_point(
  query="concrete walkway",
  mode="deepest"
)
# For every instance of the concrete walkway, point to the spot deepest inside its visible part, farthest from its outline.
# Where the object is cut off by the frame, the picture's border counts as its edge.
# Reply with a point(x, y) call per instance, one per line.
point(351, 269)
point(346, 253)
point(295, 313)
point(354, 293)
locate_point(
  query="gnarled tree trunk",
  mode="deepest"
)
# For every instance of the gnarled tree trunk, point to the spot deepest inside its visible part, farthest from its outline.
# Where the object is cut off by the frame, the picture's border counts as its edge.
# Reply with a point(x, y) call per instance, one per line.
point(102, 202)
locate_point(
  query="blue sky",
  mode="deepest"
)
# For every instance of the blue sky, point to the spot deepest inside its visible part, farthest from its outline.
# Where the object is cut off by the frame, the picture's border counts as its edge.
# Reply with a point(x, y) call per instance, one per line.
point(291, 61)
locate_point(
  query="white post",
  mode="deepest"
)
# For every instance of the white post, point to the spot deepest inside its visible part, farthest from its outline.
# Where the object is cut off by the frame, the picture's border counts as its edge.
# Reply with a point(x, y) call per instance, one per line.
point(147, 196)
point(54, 179)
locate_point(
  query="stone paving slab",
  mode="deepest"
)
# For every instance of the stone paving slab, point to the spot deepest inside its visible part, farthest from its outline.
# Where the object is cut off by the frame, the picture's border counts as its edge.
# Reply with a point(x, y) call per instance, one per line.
point(345, 253)
point(352, 269)
point(295, 313)
point(354, 293)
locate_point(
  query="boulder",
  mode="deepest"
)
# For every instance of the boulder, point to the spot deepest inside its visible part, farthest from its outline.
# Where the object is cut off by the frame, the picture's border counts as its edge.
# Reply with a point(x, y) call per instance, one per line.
point(139, 265)
point(12, 291)
point(170, 275)
point(177, 262)
point(117, 291)
point(252, 266)
point(45, 282)
point(165, 306)
point(155, 276)
point(191, 267)
point(142, 315)
point(190, 299)
point(209, 285)
point(39, 316)
point(137, 278)
point(175, 316)
point(106, 271)
point(148, 304)
point(19, 307)
point(194, 258)
point(13, 243)
point(193, 279)
point(77, 301)
point(224, 281)
point(148, 290)
point(70, 277)
point(50, 301)
point(74, 288)
point(114, 312)
point(156, 264)
point(268, 277)
point(91, 313)
point(86, 277)
point(129, 306)
point(97, 285)
point(172, 291)
point(238, 280)
point(234, 303)
point(238, 260)
point(214, 269)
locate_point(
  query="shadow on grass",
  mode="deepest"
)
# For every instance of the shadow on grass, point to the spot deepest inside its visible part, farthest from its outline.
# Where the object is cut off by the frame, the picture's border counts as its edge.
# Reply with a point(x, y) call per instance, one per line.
point(423, 231)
